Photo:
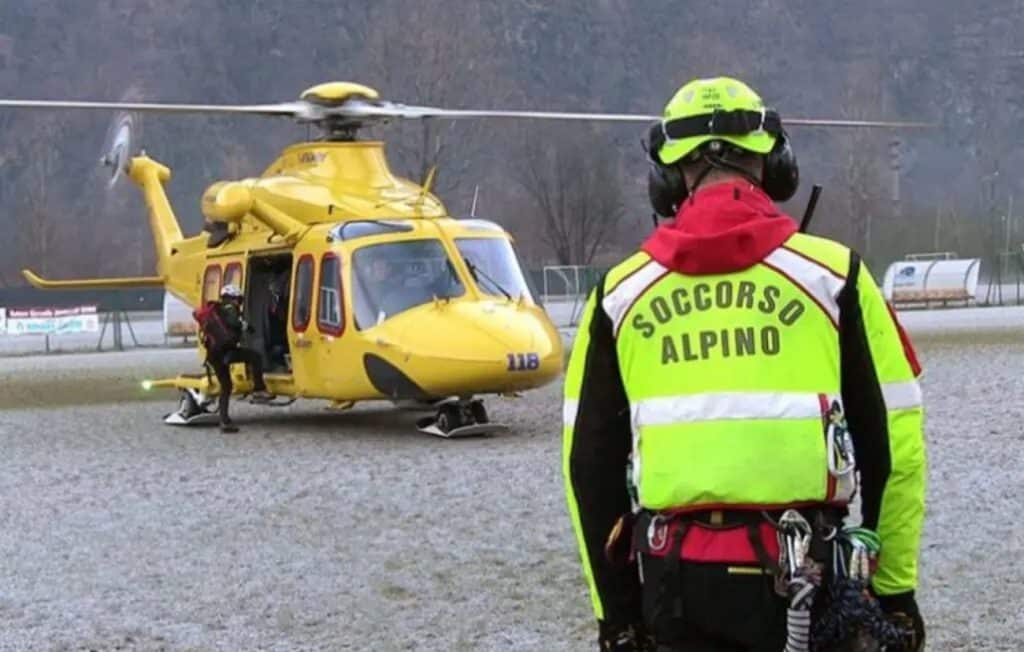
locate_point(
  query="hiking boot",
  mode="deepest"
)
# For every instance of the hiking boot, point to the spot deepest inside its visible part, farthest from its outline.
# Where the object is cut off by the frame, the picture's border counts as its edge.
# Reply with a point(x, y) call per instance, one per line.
point(262, 396)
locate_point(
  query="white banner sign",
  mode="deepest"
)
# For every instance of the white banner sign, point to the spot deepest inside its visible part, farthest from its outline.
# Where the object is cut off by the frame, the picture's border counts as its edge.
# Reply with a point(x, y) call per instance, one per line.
point(52, 321)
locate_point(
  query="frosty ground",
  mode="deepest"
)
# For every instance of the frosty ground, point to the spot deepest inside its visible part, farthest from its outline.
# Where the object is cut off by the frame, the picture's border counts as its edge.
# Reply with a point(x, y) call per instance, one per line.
point(312, 530)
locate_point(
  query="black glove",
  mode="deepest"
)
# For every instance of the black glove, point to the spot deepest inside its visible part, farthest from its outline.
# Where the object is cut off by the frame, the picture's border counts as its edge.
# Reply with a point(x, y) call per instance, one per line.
point(901, 609)
point(623, 638)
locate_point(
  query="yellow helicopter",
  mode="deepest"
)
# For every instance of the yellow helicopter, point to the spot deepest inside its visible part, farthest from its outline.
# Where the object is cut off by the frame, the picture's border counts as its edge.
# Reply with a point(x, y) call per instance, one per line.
point(359, 285)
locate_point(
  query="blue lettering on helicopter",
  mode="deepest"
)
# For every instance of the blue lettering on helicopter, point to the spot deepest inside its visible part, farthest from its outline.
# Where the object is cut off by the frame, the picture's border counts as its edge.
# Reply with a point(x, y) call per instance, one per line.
point(522, 361)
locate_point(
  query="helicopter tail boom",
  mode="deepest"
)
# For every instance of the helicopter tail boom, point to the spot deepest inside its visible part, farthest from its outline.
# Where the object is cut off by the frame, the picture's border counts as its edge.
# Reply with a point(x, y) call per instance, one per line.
point(150, 176)
point(93, 283)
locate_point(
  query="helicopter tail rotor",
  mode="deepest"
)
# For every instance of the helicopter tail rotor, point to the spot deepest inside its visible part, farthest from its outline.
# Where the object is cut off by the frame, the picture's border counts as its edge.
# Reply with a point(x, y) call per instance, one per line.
point(118, 146)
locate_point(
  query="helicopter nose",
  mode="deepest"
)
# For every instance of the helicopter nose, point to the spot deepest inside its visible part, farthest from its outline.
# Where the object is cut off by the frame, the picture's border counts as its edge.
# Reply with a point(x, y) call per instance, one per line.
point(478, 347)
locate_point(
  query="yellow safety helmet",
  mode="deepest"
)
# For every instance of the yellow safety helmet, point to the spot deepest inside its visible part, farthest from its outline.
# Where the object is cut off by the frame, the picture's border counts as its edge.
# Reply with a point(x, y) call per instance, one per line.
point(231, 291)
point(720, 110)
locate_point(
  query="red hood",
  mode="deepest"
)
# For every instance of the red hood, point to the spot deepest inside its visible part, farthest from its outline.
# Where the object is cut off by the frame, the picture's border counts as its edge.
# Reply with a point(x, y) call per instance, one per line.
point(724, 227)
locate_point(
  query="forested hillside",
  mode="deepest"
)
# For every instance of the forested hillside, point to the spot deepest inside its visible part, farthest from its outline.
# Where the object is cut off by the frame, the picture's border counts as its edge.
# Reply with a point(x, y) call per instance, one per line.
point(959, 64)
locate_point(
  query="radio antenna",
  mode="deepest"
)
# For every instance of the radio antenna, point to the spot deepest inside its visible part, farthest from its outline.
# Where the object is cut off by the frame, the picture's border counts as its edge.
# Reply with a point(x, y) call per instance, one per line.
point(809, 212)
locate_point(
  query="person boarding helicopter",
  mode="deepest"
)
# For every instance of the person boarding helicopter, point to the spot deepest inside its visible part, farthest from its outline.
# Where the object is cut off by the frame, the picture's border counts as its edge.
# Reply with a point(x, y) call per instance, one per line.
point(221, 327)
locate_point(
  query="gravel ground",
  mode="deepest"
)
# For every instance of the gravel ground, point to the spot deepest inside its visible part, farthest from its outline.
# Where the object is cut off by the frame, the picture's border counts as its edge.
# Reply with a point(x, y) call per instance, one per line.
point(312, 530)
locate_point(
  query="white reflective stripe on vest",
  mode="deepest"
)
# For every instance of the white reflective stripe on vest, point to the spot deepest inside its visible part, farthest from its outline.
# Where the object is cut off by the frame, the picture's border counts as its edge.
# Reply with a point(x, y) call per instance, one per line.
point(625, 294)
point(726, 405)
point(569, 408)
point(815, 279)
point(902, 396)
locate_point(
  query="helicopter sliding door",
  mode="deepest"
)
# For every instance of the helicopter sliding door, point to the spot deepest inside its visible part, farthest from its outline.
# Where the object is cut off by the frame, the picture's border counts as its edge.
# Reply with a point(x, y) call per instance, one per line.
point(330, 322)
point(318, 323)
point(266, 309)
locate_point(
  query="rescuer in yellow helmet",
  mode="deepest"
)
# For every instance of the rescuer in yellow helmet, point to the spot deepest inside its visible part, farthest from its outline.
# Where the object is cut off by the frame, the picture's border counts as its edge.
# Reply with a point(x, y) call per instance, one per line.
point(731, 387)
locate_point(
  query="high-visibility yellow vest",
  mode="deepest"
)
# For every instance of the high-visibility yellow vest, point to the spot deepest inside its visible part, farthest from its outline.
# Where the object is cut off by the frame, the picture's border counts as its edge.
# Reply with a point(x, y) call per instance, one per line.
point(731, 378)
point(731, 381)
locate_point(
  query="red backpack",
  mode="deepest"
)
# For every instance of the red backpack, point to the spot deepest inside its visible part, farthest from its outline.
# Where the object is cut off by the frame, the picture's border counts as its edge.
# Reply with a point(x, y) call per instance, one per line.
point(214, 332)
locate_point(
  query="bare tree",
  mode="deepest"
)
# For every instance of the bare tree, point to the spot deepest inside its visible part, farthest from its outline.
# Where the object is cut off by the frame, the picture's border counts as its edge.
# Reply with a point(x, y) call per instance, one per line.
point(862, 155)
point(442, 59)
point(38, 229)
point(577, 196)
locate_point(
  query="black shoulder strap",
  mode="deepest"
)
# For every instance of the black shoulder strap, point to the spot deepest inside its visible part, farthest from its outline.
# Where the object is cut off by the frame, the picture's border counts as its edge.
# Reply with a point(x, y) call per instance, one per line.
point(854, 271)
point(598, 298)
point(848, 295)
point(599, 289)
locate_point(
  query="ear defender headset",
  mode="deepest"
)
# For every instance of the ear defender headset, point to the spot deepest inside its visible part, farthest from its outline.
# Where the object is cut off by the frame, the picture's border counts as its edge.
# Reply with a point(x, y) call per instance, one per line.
point(666, 185)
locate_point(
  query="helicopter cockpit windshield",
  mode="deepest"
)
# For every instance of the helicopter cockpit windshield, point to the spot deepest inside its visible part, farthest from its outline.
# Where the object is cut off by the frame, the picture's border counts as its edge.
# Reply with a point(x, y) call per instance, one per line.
point(393, 277)
point(494, 266)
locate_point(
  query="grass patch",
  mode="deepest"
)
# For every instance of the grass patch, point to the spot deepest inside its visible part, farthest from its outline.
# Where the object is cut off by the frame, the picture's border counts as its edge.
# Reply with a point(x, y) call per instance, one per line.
point(968, 339)
point(54, 386)
point(91, 390)
point(395, 592)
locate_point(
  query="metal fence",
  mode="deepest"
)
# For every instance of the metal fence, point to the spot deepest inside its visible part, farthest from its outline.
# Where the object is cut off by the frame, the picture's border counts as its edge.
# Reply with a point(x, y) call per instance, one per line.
point(563, 290)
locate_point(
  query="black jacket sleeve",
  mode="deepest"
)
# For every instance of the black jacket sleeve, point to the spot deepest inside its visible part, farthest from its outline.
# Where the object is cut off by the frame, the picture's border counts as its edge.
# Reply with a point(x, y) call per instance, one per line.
point(866, 414)
point(597, 447)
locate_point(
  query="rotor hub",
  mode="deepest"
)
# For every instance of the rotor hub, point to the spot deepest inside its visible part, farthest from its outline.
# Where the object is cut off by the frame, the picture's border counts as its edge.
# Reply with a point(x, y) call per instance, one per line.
point(330, 95)
point(337, 93)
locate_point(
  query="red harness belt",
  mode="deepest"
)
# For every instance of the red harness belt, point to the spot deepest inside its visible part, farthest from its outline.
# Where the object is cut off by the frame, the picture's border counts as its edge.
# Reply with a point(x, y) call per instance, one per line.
point(714, 544)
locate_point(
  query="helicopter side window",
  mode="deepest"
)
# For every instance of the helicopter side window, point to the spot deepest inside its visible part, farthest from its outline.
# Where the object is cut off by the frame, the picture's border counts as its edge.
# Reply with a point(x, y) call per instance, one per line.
point(211, 283)
point(233, 274)
point(330, 318)
point(481, 225)
point(303, 293)
point(392, 277)
point(494, 266)
point(364, 228)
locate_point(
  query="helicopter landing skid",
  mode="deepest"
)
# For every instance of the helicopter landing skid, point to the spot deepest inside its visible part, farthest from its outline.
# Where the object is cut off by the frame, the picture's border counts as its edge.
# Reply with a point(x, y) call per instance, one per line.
point(459, 418)
point(278, 402)
point(192, 410)
point(477, 430)
point(420, 405)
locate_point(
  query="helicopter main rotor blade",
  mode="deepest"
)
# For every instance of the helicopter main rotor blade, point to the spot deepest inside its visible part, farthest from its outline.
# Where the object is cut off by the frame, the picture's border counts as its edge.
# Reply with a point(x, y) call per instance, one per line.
point(813, 122)
point(286, 108)
point(388, 110)
point(382, 110)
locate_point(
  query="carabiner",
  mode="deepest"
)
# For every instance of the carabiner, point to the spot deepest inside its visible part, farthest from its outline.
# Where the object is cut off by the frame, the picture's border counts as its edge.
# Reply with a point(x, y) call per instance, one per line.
point(795, 540)
point(839, 450)
point(652, 532)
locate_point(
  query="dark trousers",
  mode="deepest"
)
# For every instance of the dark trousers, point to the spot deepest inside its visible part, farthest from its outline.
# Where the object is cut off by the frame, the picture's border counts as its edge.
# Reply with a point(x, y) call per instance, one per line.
point(220, 363)
point(705, 607)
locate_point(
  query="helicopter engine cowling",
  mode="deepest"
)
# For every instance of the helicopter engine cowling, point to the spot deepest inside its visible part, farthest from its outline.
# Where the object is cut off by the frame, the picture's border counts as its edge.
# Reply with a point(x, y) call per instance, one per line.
point(226, 201)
